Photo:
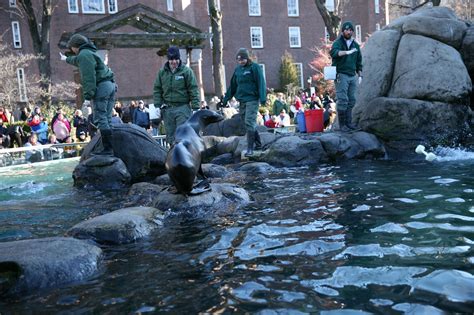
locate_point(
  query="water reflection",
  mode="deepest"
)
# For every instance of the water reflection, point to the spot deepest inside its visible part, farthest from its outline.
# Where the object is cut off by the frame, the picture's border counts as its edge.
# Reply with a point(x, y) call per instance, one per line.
point(365, 237)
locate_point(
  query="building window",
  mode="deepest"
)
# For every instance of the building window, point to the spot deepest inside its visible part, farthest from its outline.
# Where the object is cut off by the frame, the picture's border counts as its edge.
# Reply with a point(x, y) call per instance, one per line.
point(358, 34)
point(16, 34)
point(326, 35)
point(72, 6)
point(377, 26)
point(377, 6)
point(113, 6)
point(295, 38)
point(20, 74)
point(169, 5)
point(263, 70)
point(256, 37)
point(293, 9)
point(330, 5)
point(299, 71)
point(218, 6)
point(254, 7)
point(93, 6)
point(12, 3)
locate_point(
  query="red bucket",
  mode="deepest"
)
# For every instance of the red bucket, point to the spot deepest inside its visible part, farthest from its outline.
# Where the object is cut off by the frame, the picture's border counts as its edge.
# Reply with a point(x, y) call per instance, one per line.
point(314, 120)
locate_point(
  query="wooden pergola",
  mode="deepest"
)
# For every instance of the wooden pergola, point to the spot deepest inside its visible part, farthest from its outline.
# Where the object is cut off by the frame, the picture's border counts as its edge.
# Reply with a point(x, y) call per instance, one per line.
point(155, 30)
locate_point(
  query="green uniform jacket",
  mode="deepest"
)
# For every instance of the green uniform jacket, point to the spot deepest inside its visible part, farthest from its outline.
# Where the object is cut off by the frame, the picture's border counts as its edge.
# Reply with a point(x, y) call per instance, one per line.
point(247, 84)
point(278, 106)
point(176, 88)
point(349, 64)
point(92, 69)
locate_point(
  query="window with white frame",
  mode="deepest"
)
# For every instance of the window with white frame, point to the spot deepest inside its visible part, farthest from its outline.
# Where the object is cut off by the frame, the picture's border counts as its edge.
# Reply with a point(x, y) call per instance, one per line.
point(293, 8)
point(377, 26)
point(330, 5)
point(113, 8)
point(294, 35)
point(358, 34)
point(263, 70)
point(377, 6)
point(169, 5)
point(20, 74)
point(218, 6)
point(256, 37)
point(299, 71)
point(72, 6)
point(16, 34)
point(326, 35)
point(12, 3)
point(93, 6)
point(254, 8)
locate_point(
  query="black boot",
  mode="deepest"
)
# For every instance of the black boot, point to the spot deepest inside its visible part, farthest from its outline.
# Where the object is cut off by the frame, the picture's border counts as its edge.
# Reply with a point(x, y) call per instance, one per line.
point(349, 123)
point(342, 120)
point(258, 142)
point(250, 142)
point(106, 138)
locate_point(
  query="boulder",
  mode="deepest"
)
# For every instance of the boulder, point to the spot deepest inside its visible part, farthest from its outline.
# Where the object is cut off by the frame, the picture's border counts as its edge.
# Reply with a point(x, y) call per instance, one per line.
point(294, 151)
point(101, 172)
point(142, 155)
point(122, 226)
point(36, 264)
point(222, 197)
point(417, 83)
point(427, 69)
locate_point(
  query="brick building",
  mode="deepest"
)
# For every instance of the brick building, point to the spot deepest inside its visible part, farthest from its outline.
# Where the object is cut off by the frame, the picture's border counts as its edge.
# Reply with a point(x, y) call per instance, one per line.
point(267, 27)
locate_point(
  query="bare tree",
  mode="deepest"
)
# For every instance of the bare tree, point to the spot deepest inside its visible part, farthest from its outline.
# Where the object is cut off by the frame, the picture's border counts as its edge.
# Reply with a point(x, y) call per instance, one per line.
point(217, 47)
point(332, 19)
point(40, 36)
point(11, 89)
point(10, 62)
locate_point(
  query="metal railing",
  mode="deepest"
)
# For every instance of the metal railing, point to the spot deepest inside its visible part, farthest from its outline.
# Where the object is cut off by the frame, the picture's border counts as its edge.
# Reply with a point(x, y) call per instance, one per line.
point(49, 152)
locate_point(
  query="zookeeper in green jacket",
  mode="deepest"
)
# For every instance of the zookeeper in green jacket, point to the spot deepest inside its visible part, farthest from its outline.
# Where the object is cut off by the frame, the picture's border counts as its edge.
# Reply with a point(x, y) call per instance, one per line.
point(249, 88)
point(346, 56)
point(175, 91)
point(98, 85)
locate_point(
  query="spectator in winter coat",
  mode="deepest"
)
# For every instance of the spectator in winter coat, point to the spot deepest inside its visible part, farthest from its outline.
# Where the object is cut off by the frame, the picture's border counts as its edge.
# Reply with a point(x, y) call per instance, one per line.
point(141, 117)
point(62, 128)
point(80, 123)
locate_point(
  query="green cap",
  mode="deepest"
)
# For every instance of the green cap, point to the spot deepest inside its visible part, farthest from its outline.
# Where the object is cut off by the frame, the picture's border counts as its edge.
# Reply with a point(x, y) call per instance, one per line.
point(347, 26)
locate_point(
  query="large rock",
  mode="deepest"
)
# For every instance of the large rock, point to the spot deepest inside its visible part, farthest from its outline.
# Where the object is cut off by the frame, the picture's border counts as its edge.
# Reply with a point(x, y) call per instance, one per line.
point(101, 172)
point(395, 119)
point(142, 155)
point(44, 263)
point(379, 55)
point(294, 151)
point(122, 226)
point(222, 197)
point(426, 69)
point(417, 86)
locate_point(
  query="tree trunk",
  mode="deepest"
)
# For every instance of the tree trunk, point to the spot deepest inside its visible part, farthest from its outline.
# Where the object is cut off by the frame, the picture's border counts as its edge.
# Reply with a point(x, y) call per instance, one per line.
point(217, 47)
point(331, 20)
point(40, 34)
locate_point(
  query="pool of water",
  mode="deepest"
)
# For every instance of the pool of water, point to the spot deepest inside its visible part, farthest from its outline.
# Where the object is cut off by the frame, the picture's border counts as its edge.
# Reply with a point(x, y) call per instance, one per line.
point(382, 237)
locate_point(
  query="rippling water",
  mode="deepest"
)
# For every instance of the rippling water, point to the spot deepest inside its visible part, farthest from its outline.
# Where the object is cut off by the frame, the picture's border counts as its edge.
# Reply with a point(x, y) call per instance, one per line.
point(380, 237)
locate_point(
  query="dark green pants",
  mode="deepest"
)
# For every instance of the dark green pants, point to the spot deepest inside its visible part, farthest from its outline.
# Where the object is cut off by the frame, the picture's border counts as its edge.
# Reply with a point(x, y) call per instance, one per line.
point(173, 116)
point(248, 115)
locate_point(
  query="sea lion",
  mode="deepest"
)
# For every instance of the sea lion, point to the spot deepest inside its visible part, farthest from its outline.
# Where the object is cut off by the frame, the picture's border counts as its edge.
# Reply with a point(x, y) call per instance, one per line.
point(183, 161)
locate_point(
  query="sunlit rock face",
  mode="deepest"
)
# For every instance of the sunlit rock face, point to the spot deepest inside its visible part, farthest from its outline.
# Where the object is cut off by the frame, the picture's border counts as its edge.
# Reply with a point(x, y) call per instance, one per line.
point(417, 81)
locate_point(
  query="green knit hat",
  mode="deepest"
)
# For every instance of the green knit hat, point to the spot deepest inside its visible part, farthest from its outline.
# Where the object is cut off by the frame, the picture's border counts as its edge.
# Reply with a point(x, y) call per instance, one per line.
point(77, 40)
point(242, 53)
point(347, 26)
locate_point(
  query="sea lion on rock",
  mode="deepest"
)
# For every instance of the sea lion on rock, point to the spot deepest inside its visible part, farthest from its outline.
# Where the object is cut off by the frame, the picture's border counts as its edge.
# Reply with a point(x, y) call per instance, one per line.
point(183, 161)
